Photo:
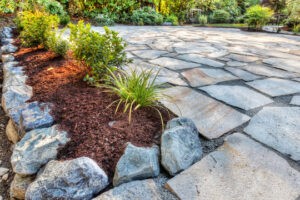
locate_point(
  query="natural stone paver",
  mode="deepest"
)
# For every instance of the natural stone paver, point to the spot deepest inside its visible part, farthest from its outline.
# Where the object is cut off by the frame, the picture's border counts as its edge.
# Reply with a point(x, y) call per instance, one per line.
point(246, 76)
point(263, 70)
point(276, 87)
point(237, 96)
point(241, 169)
point(200, 59)
point(149, 54)
point(295, 100)
point(212, 118)
point(243, 58)
point(278, 127)
point(172, 63)
point(205, 76)
point(235, 64)
point(286, 64)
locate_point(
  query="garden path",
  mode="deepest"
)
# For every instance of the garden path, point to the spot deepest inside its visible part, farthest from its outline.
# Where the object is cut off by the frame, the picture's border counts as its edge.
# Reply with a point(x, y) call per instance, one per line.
point(240, 87)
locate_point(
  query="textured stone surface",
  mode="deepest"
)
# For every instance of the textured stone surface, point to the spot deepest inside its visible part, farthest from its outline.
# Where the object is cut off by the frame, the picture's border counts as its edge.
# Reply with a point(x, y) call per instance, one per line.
point(278, 127)
point(16, 96)
point(180, 148)
point(11, 132)
point(246, 76)
point(295, 100)
point(37, 147)
point(276, 87)
point(243, 58)
point(200, 59)
point(19, 186)
point(237, 96)
point(241, 169)
point(137, 163)
point(212, 118)
point(8, 49)
point(7, 58)
point(78, 179)
point(286, 64)
point(13, 79)
point(149, 54)
point(135, 190)
point(235, 64)
point(172, 63)
point(264, 70)
point(203, 76)
point(3, 171)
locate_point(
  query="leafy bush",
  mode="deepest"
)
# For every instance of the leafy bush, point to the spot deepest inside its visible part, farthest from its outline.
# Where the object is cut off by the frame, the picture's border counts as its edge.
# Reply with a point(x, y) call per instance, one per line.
point(172, 19)
point(7, 6)
point(36, 27)
point(202, 19)
point(64, 19)
point(100, 53)
point(57, 45)
point(296, 29)
point(135, 90)
point(220, 16)
point(258, 16)
point(148, 15)
point(104, 20)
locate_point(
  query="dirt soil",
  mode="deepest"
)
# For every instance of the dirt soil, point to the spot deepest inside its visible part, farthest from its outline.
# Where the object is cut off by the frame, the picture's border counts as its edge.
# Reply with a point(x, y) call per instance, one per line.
point(95, 130)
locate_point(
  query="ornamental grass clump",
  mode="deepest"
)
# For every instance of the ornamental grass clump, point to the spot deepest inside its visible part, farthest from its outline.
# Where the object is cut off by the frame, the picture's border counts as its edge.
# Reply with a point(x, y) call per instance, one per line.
point(135, 90)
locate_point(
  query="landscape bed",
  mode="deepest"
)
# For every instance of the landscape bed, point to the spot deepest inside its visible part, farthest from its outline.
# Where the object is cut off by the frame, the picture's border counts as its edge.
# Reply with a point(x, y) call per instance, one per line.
point(94, 128)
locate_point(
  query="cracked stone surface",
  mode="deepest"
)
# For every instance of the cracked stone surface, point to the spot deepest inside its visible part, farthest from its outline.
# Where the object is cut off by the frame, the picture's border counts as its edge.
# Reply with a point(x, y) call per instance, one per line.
point(278, 127)
point(246, 76)
point(295, 100)
point(241, 169)
point(201, 60)
point(174, 64)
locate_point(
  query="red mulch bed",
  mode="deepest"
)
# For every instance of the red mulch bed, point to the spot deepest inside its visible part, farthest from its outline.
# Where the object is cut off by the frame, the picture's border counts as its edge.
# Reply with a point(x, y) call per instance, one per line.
point(82, 110)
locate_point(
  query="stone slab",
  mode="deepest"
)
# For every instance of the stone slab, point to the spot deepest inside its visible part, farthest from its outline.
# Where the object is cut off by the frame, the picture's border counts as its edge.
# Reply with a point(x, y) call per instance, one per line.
point(246, 76)
point(286, 64)
point(264, 70)
point(278, 127)
point(238, 96)
point(295, 100)
point(203, 76)
point(201, 60)
point(236, 64)
point(275, 87)
point(149, 54)
point(241, 169)
point(243, 58)
point(212, 118)
point(174, 64)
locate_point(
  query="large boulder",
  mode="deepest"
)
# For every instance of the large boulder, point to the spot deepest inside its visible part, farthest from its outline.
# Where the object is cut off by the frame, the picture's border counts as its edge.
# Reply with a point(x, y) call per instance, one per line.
point(13, 79)
point(180, 146)
point(15, 96)
point(7, 32)
point(12, 67)
point(19, 186)
point(11, 132)
point(182, 121)
point(7, 58)
point(31, 116)
point(37, 147)
point(137, 163)
point(77, 179)
point(9, 49)
point(135, 190)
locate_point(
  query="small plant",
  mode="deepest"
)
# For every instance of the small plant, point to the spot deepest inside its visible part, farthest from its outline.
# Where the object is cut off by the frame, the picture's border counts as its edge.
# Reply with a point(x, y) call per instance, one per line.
point(104, 20)
point(64, 19)
point(7, 6)
point(148, 15)
point(100, 53)
point(220, 16)
point(258, 17)
point(57, 45)
point(36, 27)
point(135, 90)
point(202, 19)
point(173, 19)
point(296, 29)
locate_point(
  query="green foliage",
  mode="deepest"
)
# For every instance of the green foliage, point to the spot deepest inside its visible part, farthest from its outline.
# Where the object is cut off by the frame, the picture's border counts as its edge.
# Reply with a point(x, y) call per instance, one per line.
point(180, 8)
point(36, 27)
point(293, 10)
point(172, 19)
point(64, 20)
point(7, 6)
point(202, 19)
point(56, 44)
point(148, 15)
point(135, 90)
point(296, 29)
point(104, 20)
point(258, 16)
point(220, 16)
point(99, 52)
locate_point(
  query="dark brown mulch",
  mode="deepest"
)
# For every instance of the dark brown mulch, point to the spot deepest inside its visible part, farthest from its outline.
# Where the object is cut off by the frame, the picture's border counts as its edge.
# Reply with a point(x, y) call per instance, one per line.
point(83, 111)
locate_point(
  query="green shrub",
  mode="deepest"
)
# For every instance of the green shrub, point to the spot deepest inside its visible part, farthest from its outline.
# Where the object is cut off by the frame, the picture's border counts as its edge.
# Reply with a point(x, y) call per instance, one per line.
point(7, 6)
point(148, 15)
point(57, 45)
point(296, 29)
point(202, 19)
point(64, 19)
point(135, 90)
point(173, 19)
point(258, 16)
point(99, 52)
point(292, 20)
point(36, 27)
point(220, 16)
point(104, 20)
